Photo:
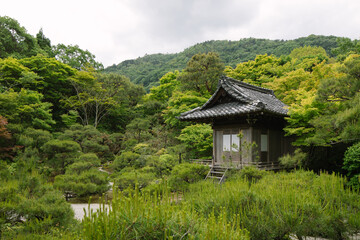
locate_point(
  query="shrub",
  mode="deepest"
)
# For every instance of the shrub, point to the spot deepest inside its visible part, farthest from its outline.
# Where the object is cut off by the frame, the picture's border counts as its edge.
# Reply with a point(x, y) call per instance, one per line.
point(251, 174)
point(300, 203)
point(127, 159)
point(352, 165)
point(186, 173)
point(141, 177)
point(146, 216)
point(91, 158)
point(293, 161)
point(198, 140)
point(163, 164)
point(86, 183)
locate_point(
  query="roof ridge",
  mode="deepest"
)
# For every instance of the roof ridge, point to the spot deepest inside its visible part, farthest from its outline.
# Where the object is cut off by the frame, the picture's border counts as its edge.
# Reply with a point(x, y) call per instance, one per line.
point(247, 85)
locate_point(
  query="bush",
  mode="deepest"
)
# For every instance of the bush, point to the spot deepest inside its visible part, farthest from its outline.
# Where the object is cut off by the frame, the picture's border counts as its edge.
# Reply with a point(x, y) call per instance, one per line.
point(352, 165)
point(163, 164)
point(299, 203)
point(31, 206)
point(198, 140)
point(85, 183)
point(91, 158)
point(293, 161)
point(252, 174)
point(186, 173)
point(146, 216)
point(141, 177)
point(127, 159)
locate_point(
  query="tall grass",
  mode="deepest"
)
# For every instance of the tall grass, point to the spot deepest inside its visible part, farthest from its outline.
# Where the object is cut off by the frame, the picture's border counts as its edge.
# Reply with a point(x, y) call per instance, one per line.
point(278, 205)
point(157, 216)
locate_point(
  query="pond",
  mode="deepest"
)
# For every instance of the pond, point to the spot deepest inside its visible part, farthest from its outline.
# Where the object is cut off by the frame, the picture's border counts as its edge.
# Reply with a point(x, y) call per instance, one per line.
point(79, 209)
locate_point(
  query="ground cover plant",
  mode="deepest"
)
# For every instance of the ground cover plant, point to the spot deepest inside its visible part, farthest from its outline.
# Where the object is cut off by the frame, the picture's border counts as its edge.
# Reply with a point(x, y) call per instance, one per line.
point(278, 205)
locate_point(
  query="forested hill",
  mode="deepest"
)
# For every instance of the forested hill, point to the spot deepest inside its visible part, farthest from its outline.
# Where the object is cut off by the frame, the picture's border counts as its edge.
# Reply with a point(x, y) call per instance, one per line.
point(149, 69)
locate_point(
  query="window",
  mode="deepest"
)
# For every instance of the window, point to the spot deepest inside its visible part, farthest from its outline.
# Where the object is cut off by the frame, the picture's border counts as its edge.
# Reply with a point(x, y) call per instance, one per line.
point(231, 142)
point(264, 147)
point(264, 143)
point(226, 142)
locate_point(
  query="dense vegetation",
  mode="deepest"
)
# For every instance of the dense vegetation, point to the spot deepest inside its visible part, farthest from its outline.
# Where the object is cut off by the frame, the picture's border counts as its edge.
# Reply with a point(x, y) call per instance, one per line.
point(148, 69)
point(67, 128)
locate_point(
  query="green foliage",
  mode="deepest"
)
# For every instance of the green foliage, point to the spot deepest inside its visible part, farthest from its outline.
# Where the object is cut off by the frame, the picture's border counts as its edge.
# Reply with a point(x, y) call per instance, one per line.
point(148, 69)
point(262, 70)
point(103, 98)
point(295, 160)
point(82, 180)
point(168, 84)
point(181, 102)
point(308, 52)
point(131, 178)
point(90, 139)
point(26, 108)
point(345, 47)
point(137, 126)
point(202, 73)
point(15, 41)
point(352, 165)
point(198, 140)
point(44, 43)
point(60, 153)
point(279, 205)
point(251, 174)
point(127, 159)
point(29, 205)
point(144, 216)
point(338, 101)
point(184, 174)
point(75, 57)
point(34, 138)
point(163, 164)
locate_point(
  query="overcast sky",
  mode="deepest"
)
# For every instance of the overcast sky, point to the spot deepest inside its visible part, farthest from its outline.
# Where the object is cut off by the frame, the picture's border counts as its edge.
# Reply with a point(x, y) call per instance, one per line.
point(116, 30)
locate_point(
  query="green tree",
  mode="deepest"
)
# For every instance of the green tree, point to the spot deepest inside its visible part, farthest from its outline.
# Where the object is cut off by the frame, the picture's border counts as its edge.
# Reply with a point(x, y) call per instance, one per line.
point(90, 139)
point(352, 165)
point(198, 140)
point(262, 70)
point(58, 154)
point(44, 43)
point(202, 73)
point(168, 84)
point(76, 57)
point(100, 95)
point(26, 109)
point(14, 75)
point(137, 126)
point(181, 102)
point(340, 96)
point(15, 41)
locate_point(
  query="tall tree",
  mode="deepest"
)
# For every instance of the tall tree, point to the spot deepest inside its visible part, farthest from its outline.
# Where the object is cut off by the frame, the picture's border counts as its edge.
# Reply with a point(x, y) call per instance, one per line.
point(202, 73)
point(97, 95)
point(15, 41)
point(44, 43)
point(76, 57)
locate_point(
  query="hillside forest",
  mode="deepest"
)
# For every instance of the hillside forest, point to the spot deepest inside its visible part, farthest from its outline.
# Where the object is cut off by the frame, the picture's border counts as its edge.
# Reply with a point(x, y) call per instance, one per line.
point(68, 127)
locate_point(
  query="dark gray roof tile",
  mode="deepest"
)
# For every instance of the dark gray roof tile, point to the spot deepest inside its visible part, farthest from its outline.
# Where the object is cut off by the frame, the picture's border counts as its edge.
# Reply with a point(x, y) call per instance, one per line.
point(246, 99)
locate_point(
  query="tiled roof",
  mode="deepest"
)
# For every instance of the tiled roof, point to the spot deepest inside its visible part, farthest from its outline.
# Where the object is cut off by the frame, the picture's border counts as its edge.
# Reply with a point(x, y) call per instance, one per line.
point(245, 98)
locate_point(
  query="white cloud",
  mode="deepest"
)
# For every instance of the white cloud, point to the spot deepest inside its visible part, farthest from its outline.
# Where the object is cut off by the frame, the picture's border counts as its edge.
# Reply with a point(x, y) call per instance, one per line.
point(116, 30)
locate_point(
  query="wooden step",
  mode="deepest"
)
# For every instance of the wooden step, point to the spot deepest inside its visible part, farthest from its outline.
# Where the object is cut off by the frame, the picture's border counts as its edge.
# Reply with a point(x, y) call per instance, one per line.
point(214, 177)
point(217, 172)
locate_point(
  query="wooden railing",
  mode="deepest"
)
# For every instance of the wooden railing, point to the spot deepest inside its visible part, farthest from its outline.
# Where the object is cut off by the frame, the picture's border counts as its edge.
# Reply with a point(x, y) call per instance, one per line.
point(239, 165)
point(207, 162)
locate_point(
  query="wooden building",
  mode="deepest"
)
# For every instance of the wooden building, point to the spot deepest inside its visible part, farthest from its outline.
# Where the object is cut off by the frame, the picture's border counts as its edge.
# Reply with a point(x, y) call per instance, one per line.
point(248, 124)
